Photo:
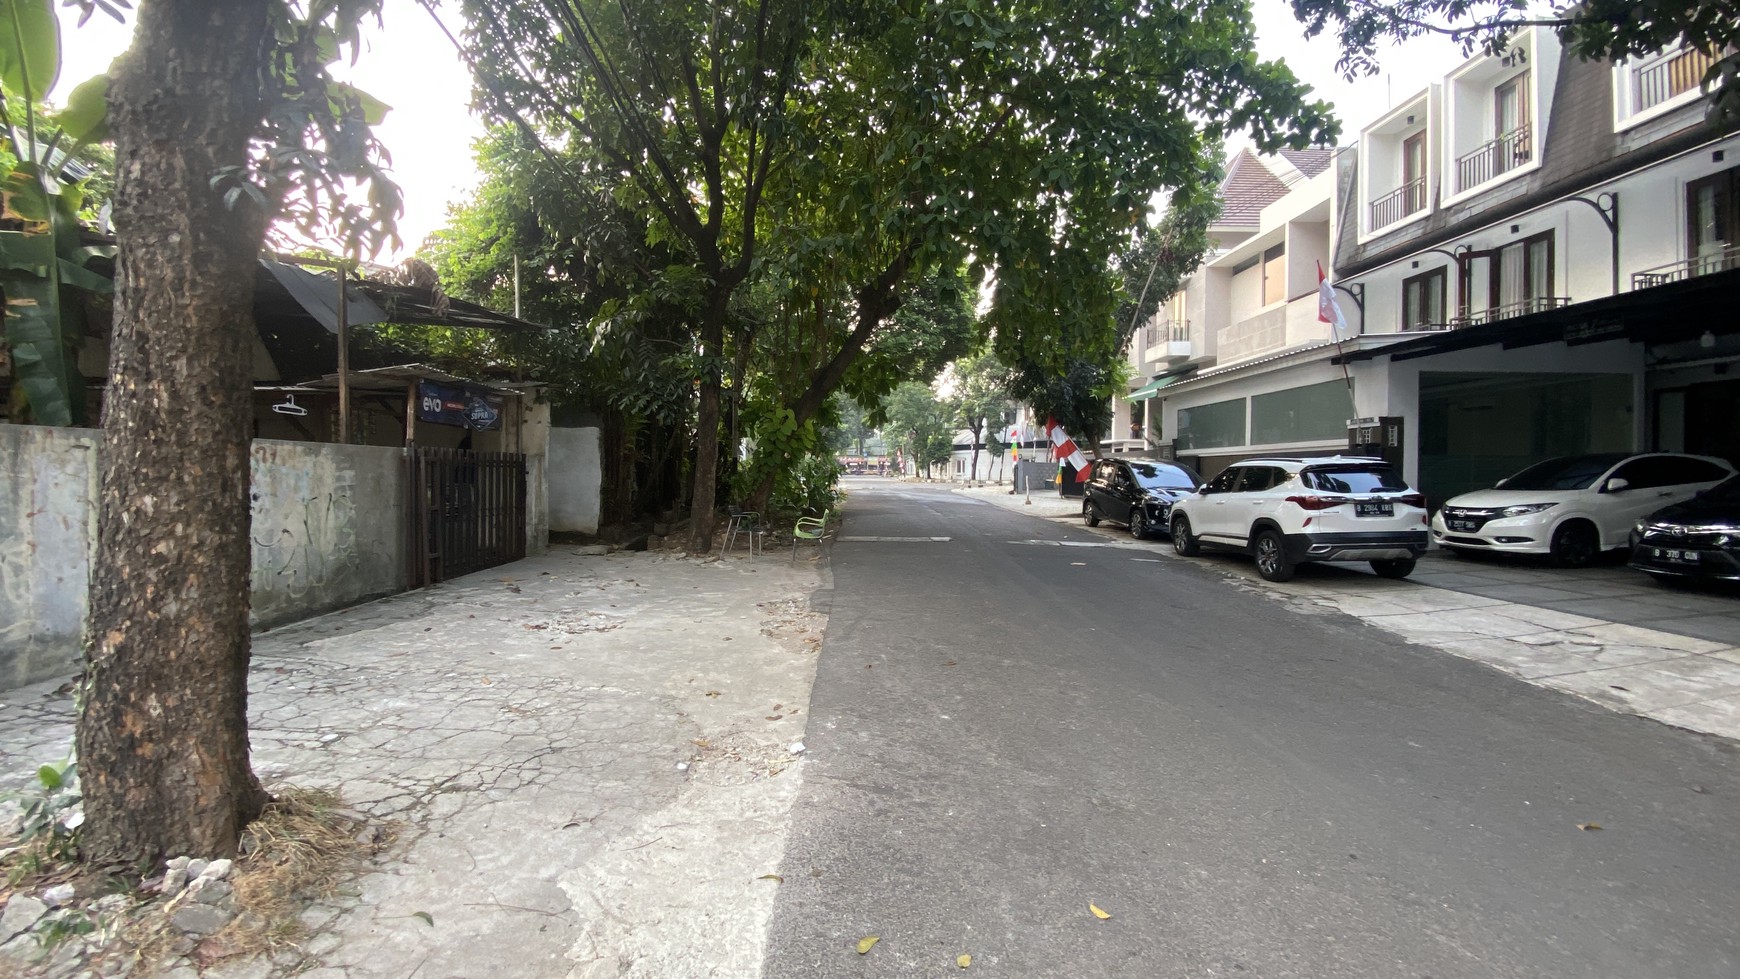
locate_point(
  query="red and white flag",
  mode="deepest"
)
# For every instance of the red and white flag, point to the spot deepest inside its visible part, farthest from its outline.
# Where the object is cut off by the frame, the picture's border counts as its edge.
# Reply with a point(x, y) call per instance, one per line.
point(1329, 311)
point(1063, 448)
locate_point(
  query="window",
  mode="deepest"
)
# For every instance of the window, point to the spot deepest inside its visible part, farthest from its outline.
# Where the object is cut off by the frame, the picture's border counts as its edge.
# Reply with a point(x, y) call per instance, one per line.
point(1212, 425)
point(1354, 479)
point(1275, 274)
point(1301, 414)
point(1510, 110)
point(1259, 478)
point(1682, 470)
point(1423, 300)
point(1507, 281)
point(1164, 475)
point(1711, 221)
point(1225, 481)
point(1646, 473)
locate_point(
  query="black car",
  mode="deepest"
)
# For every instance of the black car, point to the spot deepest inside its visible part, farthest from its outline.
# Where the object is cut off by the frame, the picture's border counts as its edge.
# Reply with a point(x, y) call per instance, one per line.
point(1137, 493)
point(1699, 538)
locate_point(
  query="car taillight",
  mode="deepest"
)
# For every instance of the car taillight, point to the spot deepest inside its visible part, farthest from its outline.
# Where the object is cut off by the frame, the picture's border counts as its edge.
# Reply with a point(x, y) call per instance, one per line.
point(1317, 502)
point(1412, 499)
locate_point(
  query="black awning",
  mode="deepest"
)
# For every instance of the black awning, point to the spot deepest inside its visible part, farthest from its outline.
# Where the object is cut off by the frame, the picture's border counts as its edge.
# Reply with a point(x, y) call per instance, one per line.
point(1671, 313)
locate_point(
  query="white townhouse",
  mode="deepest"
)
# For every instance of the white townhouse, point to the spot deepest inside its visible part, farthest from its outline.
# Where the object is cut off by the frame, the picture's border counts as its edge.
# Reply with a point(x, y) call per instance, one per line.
point(1542, 256)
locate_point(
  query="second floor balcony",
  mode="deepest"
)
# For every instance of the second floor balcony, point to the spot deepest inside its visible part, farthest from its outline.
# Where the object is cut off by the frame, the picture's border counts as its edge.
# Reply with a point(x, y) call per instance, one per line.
point(1166, 341)
point(1495, 157)
point(1691, 268)
point(1406, 200)
point(1510, 310)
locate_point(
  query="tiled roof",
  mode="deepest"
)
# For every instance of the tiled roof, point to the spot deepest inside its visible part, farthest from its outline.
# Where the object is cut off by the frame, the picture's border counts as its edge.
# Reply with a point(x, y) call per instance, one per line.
point(1310, 162)
point(1248, 188)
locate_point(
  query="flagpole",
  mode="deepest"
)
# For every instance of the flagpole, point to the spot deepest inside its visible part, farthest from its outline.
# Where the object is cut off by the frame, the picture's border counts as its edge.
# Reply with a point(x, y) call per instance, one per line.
point(1329, 311)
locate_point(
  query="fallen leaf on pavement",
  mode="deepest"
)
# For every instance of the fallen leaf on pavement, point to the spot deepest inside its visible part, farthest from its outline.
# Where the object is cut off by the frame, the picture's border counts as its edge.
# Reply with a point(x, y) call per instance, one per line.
point(771, 717)
point(1699, 789)
point(428, 918)
point(963, 960)
point(1588, 827)
point(712, 693)
point(1102, 915)
point(867, 943)
point(773, 877)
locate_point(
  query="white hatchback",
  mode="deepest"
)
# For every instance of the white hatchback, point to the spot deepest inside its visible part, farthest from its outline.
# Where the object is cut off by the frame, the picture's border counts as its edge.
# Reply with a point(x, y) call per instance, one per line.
point(1575, 507)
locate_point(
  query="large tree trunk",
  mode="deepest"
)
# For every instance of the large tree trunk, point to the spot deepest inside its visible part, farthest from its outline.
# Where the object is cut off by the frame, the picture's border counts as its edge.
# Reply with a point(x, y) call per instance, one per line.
point(163, 739)
point(706, 482)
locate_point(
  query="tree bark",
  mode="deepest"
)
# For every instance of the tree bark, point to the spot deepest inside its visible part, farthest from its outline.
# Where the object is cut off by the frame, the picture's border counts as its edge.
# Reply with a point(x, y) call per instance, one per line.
point(162, 739)
point(705, 486)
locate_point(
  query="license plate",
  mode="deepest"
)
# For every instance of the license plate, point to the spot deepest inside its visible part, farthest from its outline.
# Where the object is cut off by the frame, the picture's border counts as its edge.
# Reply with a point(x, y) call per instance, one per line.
point(1464, 525)
point(1374, 509)
point(1676, 556)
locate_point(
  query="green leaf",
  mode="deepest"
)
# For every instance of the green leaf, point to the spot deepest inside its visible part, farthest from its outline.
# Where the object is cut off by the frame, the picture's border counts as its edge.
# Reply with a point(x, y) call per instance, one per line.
point(86, 116)
point(346, 98)
point(49, 776)
point(29, 47)
point(426, 917)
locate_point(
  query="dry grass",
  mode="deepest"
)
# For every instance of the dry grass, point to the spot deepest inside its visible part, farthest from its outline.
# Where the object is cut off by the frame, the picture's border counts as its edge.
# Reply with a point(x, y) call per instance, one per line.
point(299, 851)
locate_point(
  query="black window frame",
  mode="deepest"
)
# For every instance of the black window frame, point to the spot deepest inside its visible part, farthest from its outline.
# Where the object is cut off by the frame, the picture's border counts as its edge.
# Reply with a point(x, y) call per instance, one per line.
point(1425, 282)
point(1531, 291)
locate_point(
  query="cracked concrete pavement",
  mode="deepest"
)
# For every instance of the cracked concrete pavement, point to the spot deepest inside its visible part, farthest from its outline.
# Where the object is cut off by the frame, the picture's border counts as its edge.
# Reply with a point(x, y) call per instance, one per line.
point(1683, 680)
point(588, 759)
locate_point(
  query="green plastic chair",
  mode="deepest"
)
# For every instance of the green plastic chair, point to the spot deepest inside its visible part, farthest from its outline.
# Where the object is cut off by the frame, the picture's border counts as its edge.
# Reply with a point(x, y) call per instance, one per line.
point(808, 528)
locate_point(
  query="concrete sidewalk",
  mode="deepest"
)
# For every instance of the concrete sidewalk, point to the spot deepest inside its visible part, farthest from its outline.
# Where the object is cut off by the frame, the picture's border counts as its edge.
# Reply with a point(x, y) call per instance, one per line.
point(589, 759)
point(1629, 645)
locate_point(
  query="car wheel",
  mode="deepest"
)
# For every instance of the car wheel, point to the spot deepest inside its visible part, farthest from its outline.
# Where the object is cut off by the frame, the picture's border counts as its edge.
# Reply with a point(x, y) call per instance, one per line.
point(1138, 524)
point(1182, 542)
point(1089, 515)
point(1396, 568)
point(1271, 556)
point(1575, 545)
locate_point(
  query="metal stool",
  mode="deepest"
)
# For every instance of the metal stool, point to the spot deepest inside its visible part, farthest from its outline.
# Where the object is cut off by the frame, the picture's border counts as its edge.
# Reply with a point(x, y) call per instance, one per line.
point(743, 522)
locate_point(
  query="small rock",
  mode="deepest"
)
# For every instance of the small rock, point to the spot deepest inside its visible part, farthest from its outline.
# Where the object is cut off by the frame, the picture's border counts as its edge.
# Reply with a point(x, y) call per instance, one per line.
point(682, 766)
point(369, 836)
point(217, 870)
point(58, 895)
point(110, 904)
point(196, 867)
point(22, 912)
point(207, 890)
point(797, 748)
point(328, 738)
point(200, 919)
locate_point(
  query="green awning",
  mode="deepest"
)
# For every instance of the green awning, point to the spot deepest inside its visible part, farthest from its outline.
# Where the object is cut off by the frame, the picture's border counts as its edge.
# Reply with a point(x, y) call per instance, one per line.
point(1153, 387)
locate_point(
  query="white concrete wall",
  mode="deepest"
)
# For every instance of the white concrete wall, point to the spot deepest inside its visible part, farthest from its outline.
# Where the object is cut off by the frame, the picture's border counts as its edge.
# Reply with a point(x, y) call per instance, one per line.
point(327, 530)
point(575, 477)
point(48, 479)
point(328, 527)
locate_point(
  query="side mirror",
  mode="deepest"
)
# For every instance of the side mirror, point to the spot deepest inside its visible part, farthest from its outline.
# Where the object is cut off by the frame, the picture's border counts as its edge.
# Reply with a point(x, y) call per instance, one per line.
point(1615, 485)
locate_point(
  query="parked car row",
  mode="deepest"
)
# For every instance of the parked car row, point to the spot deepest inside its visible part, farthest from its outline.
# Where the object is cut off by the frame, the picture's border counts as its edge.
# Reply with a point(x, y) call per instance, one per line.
point(1679, 515)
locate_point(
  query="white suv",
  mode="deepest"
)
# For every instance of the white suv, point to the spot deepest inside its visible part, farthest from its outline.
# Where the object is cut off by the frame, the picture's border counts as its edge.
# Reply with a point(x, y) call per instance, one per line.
point(1288, 511)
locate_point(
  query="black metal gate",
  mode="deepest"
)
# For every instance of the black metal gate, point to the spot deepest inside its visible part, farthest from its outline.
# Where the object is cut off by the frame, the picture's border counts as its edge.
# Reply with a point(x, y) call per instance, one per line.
point(467, 512)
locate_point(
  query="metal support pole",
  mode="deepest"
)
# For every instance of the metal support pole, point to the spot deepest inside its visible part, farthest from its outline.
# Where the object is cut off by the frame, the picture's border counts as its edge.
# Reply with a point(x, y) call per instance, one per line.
point(410, 412)
point(1606, 204)
point(516, 285)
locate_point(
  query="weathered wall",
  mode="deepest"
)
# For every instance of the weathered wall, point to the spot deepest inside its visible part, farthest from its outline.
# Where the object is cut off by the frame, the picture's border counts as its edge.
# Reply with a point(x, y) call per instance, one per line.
point(328, 527)
point(574, 476)
point(327, 532)
point(47, 482)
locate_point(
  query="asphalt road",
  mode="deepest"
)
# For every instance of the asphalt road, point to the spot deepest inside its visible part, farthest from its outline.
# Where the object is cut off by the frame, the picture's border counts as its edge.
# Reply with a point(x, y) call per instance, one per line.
point(1003, 732)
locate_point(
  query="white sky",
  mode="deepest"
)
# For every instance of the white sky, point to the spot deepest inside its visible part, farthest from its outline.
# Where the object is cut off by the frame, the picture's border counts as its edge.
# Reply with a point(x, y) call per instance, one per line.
point(411, 66)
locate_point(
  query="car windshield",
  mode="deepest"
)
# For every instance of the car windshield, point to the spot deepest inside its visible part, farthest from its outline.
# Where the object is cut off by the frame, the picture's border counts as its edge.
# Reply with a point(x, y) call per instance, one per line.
point(1354, 479)
point(1159, 476)
point(1568, 473)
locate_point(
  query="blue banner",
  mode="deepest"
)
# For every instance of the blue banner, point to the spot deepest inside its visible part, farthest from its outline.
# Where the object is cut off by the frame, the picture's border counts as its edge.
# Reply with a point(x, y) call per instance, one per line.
point(459, 406)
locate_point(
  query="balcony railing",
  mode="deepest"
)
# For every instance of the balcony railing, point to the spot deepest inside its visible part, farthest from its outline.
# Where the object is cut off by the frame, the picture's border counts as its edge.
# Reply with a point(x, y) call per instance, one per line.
point(1691, 268)
point(1409, 198)
point(1522, 307)
point(1494, 157)
point(1654, 82)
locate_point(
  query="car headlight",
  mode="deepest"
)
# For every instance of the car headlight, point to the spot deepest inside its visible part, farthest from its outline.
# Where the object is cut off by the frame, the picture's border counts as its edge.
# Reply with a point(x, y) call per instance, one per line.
point(1524, 509)
point(1639, 528)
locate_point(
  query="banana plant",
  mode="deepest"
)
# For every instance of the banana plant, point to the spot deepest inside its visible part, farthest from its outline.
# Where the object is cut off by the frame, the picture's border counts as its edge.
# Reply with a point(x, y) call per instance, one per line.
point(44, 262)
